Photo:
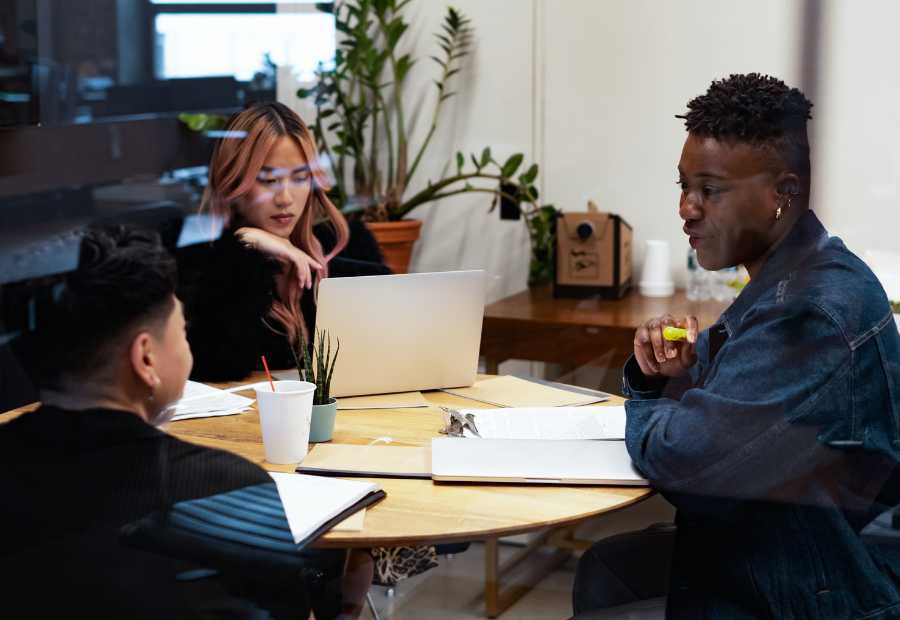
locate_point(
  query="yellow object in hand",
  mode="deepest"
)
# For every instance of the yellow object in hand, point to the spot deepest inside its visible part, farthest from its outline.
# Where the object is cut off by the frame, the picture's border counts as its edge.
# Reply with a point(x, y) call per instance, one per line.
point(673, 334)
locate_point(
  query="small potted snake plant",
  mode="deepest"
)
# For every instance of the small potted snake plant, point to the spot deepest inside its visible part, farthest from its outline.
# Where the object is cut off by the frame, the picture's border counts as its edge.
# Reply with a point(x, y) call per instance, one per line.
point(315, 364)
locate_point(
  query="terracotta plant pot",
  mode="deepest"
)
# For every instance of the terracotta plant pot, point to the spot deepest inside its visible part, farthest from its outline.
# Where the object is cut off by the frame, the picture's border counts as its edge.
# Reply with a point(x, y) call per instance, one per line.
point(396, 240)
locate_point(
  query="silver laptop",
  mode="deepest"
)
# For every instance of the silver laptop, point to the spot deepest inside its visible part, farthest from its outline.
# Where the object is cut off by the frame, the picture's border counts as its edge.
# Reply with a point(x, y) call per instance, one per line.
point(533, 461)
point(401, 333)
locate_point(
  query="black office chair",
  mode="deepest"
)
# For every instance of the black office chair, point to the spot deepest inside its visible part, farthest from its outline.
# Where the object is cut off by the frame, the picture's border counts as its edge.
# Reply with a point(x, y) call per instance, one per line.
point(242, 537)
point(165, 218)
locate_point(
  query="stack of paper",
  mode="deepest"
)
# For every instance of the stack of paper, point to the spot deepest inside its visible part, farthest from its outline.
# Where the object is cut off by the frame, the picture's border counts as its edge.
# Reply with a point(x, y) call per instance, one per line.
point(400, 400)
point(203, 401)
point(313, 504)
point(533, 461)
point(509, 391)
point(549, 423)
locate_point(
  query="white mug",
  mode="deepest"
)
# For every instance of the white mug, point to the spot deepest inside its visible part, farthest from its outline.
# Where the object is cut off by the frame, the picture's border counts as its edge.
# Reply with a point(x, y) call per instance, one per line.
point(284, 417)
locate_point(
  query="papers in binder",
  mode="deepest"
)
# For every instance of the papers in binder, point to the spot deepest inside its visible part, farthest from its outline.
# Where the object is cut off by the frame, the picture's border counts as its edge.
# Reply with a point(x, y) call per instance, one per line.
point(310, 502)
point(549, 423)
point(508, 391)
point(203, 401)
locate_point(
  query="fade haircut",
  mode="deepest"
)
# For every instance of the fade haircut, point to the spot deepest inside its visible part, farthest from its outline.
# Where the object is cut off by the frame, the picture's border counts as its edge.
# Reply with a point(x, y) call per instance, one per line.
point(756, 109)
point(125, 283)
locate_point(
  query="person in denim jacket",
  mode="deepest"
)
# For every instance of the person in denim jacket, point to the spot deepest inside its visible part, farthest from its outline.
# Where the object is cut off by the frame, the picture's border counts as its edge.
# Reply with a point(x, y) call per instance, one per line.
point(776, 432)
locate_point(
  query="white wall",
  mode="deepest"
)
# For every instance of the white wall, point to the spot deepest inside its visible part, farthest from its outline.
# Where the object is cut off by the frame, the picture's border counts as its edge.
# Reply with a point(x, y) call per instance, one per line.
point(616, 73)
point(856, 122)
point(589, 90)
point(494, 106)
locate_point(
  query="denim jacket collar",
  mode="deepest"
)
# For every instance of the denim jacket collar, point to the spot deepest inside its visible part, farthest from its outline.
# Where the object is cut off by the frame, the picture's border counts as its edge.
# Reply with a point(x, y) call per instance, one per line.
point(806, 236)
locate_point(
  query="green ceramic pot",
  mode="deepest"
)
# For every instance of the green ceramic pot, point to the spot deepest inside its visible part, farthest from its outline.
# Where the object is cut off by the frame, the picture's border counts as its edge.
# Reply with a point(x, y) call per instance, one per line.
point(322, 426)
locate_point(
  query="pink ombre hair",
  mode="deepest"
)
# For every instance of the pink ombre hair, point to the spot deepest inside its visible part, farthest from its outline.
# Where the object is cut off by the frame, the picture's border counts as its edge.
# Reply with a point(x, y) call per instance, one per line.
point(236, 162)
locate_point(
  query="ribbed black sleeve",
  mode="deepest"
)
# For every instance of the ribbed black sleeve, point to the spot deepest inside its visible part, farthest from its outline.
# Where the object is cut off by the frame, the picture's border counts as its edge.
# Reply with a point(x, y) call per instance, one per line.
point(228, 290)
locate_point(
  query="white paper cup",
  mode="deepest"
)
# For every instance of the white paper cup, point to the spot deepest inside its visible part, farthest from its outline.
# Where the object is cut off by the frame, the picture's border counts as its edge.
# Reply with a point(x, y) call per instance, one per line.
point(284, 416)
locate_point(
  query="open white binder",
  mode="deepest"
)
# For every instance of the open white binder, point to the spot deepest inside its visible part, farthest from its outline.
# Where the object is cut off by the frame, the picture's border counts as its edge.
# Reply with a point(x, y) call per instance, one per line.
point(533, 461)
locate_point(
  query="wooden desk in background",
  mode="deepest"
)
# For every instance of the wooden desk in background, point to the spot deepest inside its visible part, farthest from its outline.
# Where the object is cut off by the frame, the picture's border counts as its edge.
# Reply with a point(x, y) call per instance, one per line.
point(532, 325)
point(421, 512)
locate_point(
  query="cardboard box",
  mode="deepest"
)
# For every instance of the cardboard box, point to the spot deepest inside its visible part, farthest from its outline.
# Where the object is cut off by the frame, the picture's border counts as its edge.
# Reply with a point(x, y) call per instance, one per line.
point(593, 255)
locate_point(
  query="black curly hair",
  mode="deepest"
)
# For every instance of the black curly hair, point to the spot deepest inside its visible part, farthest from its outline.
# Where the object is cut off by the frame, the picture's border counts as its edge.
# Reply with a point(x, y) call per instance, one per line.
point(125, 282)
point(756, 109)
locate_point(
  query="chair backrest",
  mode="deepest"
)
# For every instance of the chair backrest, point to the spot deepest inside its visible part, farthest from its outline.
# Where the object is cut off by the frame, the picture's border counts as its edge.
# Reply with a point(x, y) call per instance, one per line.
point(166, 218)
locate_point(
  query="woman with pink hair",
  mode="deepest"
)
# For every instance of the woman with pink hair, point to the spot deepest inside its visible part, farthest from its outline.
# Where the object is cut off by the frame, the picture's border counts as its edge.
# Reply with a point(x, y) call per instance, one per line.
point(254, 292)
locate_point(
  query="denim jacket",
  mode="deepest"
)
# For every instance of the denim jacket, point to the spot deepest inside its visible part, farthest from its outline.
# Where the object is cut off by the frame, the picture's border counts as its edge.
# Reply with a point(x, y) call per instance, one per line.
point(781, 444)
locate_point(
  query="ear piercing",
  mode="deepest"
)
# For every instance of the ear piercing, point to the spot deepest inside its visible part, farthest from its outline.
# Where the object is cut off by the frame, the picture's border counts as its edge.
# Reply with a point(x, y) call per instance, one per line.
point(778, 211)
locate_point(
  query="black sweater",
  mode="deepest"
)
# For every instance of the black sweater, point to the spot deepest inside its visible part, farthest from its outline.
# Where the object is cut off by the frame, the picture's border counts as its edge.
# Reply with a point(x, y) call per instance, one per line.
point(75, 484)
point(228, 290)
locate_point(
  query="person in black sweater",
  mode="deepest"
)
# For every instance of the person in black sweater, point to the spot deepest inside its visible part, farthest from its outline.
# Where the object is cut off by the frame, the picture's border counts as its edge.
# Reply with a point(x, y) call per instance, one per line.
point(97, 496)
point(229, 288)
point(252, 293)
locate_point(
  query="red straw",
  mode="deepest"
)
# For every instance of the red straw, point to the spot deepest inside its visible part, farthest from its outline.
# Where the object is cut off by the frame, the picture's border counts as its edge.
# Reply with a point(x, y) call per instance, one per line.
point(268, 374)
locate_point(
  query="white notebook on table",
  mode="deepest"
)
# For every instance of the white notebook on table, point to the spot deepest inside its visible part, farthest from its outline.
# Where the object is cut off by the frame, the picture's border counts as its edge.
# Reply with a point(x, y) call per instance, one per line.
point(533, 461)
point(314, 504)
point(549, 423)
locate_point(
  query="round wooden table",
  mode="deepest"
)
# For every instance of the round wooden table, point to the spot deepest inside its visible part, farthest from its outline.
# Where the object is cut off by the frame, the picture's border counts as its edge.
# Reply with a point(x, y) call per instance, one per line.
point(418, 511)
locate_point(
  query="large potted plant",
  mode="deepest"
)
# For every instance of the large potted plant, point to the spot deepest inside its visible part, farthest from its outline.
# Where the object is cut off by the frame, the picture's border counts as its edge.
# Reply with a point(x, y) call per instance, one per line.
point(361, 126)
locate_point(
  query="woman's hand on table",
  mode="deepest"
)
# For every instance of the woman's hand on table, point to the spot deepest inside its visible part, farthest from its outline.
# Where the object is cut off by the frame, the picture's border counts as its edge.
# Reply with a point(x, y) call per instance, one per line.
point(658, 357)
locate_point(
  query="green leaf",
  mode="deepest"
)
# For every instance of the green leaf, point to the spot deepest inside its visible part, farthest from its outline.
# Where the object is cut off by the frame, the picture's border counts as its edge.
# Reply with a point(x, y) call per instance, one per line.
point(485, 157)
point(529, 176)
point(460, 162)
point(475, 162)
point(512, 164)
point(548, 212)
point(393, 32)
point(202, 122)
point(381, 6)
point(404, 64)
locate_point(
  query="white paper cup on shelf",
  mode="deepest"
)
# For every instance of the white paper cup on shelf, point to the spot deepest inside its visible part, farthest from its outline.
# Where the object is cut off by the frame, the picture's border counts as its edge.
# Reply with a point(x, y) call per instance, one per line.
point(284, 417)
point(656, 278)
